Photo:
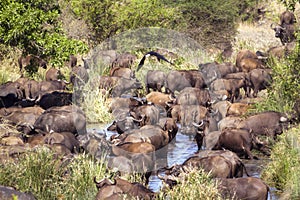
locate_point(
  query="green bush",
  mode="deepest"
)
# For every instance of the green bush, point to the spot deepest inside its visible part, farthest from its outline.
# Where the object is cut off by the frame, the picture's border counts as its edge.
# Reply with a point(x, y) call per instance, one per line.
point(33, 26)
point(49, 176)
point(283, 171)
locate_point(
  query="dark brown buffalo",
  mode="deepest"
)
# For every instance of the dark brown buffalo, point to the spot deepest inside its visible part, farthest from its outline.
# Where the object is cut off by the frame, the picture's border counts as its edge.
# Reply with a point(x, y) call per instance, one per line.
point(153, 134)
point(155, 80)
point(240, 141)
point(174, 112)
point(72, 61)
point(259, 80)
point(124, 123)
point(184, 78)
point(35, 90)
point(194, 96)
point(118, 85)
point(169, 124)
point(31, 61)
point(267, 123)
point(119, 102)
point(238, 167)
point(214, 70)
point(10, 93)
point(52, 74)
point(229, 122)
point(55, 98)
point(249, 188)
point(287, 17)
point(23, 118)
point(232, 86)
point(66, 139)
point(191, 115)
point(242, 55)
point(62, 119)
point(79, 76)
point(107, 189)
point(217, 165)
point(248, 64)
point(124, 60)
point(147, 114)
point(285, 32)
point(122, 72)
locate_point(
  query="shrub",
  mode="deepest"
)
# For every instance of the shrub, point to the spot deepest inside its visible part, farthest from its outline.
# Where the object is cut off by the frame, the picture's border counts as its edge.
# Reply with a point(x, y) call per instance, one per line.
point(49, 176)
point(283, 171)
point(33, 26)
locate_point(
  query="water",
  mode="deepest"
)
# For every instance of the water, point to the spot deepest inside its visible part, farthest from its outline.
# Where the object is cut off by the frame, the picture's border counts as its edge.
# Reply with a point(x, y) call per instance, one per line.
point(182, 149)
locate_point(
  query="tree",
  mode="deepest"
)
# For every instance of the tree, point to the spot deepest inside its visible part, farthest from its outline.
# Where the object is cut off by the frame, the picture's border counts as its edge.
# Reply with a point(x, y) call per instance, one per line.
point(33, 26)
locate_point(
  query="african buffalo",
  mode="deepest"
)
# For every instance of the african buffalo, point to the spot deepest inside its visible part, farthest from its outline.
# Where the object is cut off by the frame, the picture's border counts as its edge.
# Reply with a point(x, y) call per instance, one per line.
point(122, 72)
point(119, 102)
point(35, 90)
point(10, 93)
point(161, 99)
point(242, 55)
point(191, 115)
point(118, 85)
point(52, 74)
point(66, 139)
point(285, 32)
point(229, 122)
point(232, 86)
point(62, 119)
point(31, 61)
point(119, 188)
point(269, 123)
point(237, 109)
point(23, 118)
point(153, 134)
point(124, 60)
point(287, 17)
point(250, 188)
point(240, 141)
point(155, 79)
point(260, 79)
point(238, 167)
point(194, 96)
point(148, 114)
point(55, 98)
point(79, 76)
point(184, 78)
point(10, 193)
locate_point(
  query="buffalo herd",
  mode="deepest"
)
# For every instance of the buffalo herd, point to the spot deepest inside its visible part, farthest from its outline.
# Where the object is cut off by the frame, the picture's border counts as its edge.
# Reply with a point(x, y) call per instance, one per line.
point(209, 104)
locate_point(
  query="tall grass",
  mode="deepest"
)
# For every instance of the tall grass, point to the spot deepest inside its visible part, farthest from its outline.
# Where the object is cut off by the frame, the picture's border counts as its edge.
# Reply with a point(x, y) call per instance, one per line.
point(195, 185)
point(49, 176)
point(283, 171)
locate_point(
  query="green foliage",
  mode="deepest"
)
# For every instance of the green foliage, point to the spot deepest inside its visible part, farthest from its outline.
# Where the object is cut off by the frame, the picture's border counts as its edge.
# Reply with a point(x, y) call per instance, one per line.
point(50, 177)
point(283, 171)
point(33, 27)
point(284, 91)
point(195, 185)
point(110, 17)
point(289, 4)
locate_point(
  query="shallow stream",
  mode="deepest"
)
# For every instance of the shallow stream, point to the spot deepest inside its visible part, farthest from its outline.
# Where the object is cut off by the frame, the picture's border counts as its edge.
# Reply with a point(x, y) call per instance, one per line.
point(182, 149)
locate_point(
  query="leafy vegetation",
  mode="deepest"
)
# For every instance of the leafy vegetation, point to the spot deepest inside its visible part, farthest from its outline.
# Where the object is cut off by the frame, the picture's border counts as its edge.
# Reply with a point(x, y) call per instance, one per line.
point(33, 27)
point(283, 172)
point(195, 185)
point(49, 176)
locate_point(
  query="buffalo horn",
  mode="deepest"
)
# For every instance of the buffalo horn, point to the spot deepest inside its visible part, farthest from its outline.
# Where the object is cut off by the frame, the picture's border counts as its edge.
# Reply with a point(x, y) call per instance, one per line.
point(283, 119)
point(198, 125)
point(138, 120)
